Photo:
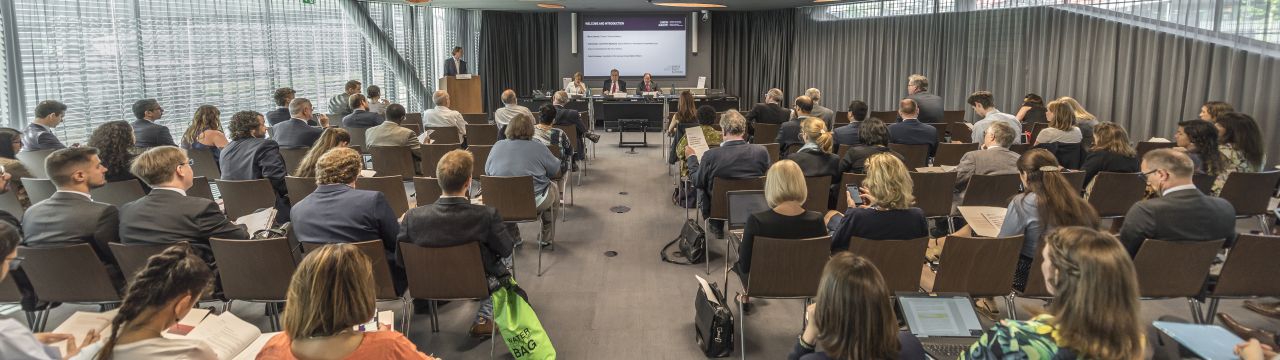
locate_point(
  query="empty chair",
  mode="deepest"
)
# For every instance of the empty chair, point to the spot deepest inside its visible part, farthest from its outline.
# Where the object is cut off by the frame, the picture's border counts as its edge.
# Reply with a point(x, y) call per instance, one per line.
point(357, 139)
point(950, 154)
point(133, 258)
point(1158, 278)
point(991, 277)
point(200, 188)
point(1250, 194)
point(393, 161)
point(482, 134)
point(765, 133)
point(448, 273)
point(953, 116)
point(819, 193)
point(916, 155)
point(481, 155)
point(1249, 271)
point(412, 119)
point(255, 271)
point(443, 134)
point(431, 154)
point(38, 189)
point(477, 119)
point(427, 190)
point(293, 158)
point(933, 192)
point(1145, 146)
point(244, 197)
point(34, 161)
point(86, 282)
point(898, 260)
point(118, 192)
point(991, 190)
point(390, 186)
point(783, 269)
point(513, 197)
point(962, 132)
point(720, 188)
point(204, 164)
point(1114, 193)
point(299, 188)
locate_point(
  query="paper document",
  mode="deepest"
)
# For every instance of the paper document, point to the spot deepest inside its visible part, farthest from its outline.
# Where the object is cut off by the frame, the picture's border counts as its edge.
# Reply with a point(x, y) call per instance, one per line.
point(368, 173)
point(81, 323)
point(463, 77)
point(251, 352)
point(226, 334)
point(257, 221)
point(565, 82)
point(425, 137)
point(934, 169)
point(383, 318)
point(702, 82)
point(984, 220)
point(706, 290)
point(1158, 140)
point(696, 140)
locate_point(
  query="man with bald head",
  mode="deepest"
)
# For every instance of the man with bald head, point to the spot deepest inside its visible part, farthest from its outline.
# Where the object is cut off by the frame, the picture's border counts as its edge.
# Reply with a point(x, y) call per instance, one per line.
point(1181, 212)
point(508, 111)
point(911, 131)
point(442, 116)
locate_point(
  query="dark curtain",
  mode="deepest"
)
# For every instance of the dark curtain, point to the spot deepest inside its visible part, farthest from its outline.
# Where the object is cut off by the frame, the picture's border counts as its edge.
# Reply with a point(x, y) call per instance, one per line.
point(750, 52)
point(518, 51)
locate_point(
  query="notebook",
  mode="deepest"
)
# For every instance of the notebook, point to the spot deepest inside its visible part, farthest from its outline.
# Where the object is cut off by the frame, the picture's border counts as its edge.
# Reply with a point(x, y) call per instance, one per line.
point(1207, 341)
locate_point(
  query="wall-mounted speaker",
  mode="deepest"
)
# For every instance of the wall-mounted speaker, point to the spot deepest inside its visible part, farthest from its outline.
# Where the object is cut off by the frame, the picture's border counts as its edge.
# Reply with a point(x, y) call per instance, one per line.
point(573, 35)
point(694, 22)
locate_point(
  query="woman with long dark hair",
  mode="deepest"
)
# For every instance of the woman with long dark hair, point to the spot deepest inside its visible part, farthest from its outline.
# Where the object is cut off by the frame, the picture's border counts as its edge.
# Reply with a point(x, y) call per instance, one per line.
point(1240, 141)
point(331, 138)
point(13, 167)
point(686, 116)
point(852, 317)
point(115, 143)
point(205, 131)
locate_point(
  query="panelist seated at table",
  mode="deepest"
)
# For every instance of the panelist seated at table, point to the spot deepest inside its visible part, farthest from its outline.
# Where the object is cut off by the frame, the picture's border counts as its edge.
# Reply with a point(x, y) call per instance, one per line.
point(647, 85)
point(613, 84)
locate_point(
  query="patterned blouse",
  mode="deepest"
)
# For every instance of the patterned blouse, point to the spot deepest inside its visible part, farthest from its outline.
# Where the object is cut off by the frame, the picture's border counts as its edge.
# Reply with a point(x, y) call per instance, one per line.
point(1012, 339)
point(1235, 161)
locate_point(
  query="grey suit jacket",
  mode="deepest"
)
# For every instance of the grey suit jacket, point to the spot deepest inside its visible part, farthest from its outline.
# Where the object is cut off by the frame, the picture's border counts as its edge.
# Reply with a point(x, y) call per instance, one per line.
point(254, 158)
point(930, 106)
point(1184, 215)
point(39, 138)
point(362, 119)
point(821, 112)
point(391, 134)
point(991, 161)
point(168, 217)
point(295, 133)
point(69, 219)
point(148, 134)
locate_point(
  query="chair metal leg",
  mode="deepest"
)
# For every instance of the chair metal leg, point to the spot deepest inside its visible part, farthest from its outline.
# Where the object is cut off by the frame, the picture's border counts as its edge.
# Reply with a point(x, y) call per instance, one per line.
point(1262, 222)
point(1009, 307)
point(1196, 314)
point(493, 339)
point(742, 329)
point(435, 320)
point(407, 317)
point(44, 318)
point(1212, 315)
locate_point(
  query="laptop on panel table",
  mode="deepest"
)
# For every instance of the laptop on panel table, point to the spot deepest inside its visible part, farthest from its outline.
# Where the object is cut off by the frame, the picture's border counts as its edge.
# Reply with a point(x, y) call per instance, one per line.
point(945, 323)
point(742, 204)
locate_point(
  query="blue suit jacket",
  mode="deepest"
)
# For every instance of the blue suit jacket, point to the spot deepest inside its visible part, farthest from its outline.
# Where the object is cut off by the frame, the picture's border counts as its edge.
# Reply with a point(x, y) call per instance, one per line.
point(295, 134)
point(913, 132)
point(277, 116)
point(148, 134)
point(336, 213)
point(846, 135)
point(450, 70)
point(362, 119)
point(39, 138)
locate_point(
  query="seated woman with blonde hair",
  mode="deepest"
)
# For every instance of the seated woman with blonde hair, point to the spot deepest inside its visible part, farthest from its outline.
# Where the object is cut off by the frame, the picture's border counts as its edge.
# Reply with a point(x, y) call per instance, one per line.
point(885, 211)
point(785, 191)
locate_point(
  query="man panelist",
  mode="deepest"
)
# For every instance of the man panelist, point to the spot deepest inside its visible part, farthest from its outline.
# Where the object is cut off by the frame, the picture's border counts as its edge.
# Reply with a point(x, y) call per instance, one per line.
point(647, 84)
point(454, 65)
point(613, 84)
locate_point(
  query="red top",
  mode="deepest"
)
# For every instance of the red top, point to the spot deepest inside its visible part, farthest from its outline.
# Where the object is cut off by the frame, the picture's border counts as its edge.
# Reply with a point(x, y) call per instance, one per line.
point(376, 345)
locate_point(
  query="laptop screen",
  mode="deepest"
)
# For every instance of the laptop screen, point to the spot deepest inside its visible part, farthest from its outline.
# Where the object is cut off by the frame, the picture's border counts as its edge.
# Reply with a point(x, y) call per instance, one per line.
point(744, 203)
point(946, 315)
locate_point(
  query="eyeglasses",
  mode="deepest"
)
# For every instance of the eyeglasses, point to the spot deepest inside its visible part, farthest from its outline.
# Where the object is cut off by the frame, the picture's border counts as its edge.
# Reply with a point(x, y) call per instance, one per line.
point(1143, 176)
point(190, 162)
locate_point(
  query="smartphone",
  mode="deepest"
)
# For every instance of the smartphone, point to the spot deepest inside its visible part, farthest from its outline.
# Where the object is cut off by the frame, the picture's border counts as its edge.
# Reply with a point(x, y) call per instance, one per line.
point(855, 192)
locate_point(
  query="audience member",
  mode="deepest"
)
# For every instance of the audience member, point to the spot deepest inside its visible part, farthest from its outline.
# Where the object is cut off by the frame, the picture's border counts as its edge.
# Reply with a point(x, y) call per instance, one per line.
point(1254, 350)
point(994, 158)
point(205, 132)
point(115, 144)
point(361, 117)
point(1094, 311)
point(340, 105)
point(885, 212)
point(874, 137)
point(770, 111)
point(566, 116)
point(453, 220)
point(1084, 120)
point(146, 132)
point(442, 116)
point(40, 136)
point(167, 215)
point(510, 108)
point(520, 155)
point(848, 134)
point(331, 292)
point(853, 316)
point(331, 138)
point(159, 296)
point(706, 121)
point(10, 165)
point(1111, 152)
point(1062, 125)
point(815, 157)
point(296, 133)
point(389, 133)
point(613, 84)
point(789, 132)
point(1199, 139)
point(1240, 142)
point(1032, 110)
point(1211, 110)
point(1181, 212)
point(70, 216)
point(734, 159)
point(785, 192)
point(282, 97)
point(828, 117)
point(377, 104)
point(5, 216)
point(929, 104)
point(250, 156)
point(548, 135)
point(984, 105)
point(577, 87)
point(16, 340)
point(911, 131)
point(686, 116)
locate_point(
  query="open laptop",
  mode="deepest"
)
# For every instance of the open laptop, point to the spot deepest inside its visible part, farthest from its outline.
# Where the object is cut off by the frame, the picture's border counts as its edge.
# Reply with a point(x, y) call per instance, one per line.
point(742, 204)
point(945, 323)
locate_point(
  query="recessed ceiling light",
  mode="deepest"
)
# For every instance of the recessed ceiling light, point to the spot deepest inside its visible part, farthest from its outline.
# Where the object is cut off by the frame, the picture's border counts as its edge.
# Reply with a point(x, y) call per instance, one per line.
point(550, 6)
point(689, 4)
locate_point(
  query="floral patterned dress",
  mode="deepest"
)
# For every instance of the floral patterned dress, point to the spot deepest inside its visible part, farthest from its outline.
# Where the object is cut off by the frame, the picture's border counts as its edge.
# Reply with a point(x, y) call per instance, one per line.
point(1033, 339)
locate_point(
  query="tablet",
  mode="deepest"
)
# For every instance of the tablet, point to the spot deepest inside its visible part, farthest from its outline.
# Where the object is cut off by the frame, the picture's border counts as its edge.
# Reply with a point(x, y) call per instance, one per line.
point(1206, 341)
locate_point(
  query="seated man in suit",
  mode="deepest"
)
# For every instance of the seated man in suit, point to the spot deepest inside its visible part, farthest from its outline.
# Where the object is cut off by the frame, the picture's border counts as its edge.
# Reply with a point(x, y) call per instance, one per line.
point(442, 116)
point(250, 156)
point(930, 104)
point(361, 117)
point(282, 97)
point(613, 84)
point(984, 106)
point(390, 133)
point(340, 105)
point(818, 111)
point(734, 159)
point(911, 131)
point(40, 136)
point(454, 64)
point(848, 134)
point(337, 212)
point(1182, 212)
point(146, 133)
point(295, 132)
point(769, 112)
point(647, 84)
point(454, 220)
point(789, 132)
point(167, 215)
point(567, 116)
point(874, 137)
point(995, 158)
point(70, 216)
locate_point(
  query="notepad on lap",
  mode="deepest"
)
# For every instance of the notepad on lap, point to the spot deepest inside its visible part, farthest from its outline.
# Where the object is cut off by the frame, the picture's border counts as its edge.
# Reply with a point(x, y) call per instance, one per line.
point(229, 336)
point(81, 323)
point(984, 220)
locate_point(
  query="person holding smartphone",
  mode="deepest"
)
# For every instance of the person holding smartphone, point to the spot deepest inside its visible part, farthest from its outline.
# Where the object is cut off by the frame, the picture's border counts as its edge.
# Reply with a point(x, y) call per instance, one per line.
point(880, 207)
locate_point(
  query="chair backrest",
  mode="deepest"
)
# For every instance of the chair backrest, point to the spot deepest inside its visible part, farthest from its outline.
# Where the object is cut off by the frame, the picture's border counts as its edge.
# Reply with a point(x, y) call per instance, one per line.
point(950, 154)
point(1250, 193)
point(511, 195)
point(933, 192)
point(200, 188)
point(991, 190)
point(940, 131)
point(118, 192)
point(571, 132)
point(357, 139)
point(1020, 148)
point(1250, 269)
point(443, 134)
point(9, 293)
point(482, 134)
point(480, 153)
point(1035, 131)
point(455, 272)
point(299, 188)
point(959, 272)
point(916, 155)
point(819, 193)
point(133, 258)
point(953, 116)
point(431, 154)
point(38, 189)
point(1114, 193)
point(377, 256)
point(243, 197)
point(393, 161)
point(842, 201)
point(1144, 146)
point(1203, 182)
point(254, 270)
point(765, 133)
point(773, 149)
point(390, 186)
point(9, 203)
point(1069, 155)
point(427, 190)
point(844, 148)
point(1168, 269)
point(898, 260)
point(960, 132)
point(34, 161)
point(1036, 287)
point(293, 157)
point(480, 118)
point(68, 274)
point(842, 118)
point(787, 268)
point(1075, 178)
point(720, 187)
point(888, 117)
point(412, 119)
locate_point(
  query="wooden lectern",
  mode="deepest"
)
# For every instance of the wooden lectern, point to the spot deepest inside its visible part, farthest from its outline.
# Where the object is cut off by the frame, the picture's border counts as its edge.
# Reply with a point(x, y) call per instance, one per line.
point(464, 94)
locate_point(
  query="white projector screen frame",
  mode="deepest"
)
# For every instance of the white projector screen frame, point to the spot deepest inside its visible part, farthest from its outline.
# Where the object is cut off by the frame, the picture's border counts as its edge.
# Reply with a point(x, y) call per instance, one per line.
point(635, 44)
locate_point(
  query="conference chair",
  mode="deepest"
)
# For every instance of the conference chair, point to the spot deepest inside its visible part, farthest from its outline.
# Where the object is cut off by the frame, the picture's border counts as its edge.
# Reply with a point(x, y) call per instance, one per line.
point(1203, 182)
point(293, 158)
point(480, 153)
point(447, 273)
point(426, 190)
point(133, 258)
point(1114, 193)
point(953, 116)
point(390, 186)
point(950, 154)
point(244, 197)
point(416, 128)
point(431, 154)
point(720, 188)
point(842, 118)
point(1248, 272)
point(204, 163)
point(513, 197)
point(412, 119)
point(898, 260)
point(572, 132)
point(555, 151)
point(888, 117)
point(1069, 155)
point(765, 133)
point(10, 295)
point(917, 155)
point(443, 134)
point(1076, 179)
point(477, 119)
point(118, 192)
point(774, 151)
point(940, 129)
point(34, 161)
point(357, 139)
point(842, 203)
point(961, 132)
point(9, 203)
point(1020, 148)
point(819, 197)
point(393, 161)
point(844, 149)
point(991, 190)
point(87, 282)
point(382, 278)
point(933, 192)
point(38, 189)
point(255, 271)
point(957, 272)
point(1144, 146)
point(200, 188)
point(1250, 193)
point(299, 188)
point(1035, 131)
point(482, 134)
point(783, 269)
point(1174, 269)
